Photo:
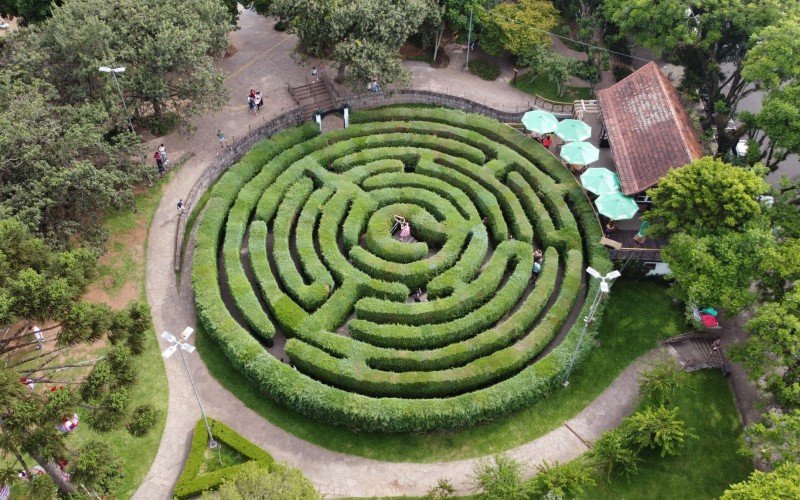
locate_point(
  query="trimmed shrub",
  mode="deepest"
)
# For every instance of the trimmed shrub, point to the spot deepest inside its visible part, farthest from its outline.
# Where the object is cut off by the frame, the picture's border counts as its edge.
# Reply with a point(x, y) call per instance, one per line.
point(484, 69)
point(142, 420)
point(317, 214)
point(191, 482)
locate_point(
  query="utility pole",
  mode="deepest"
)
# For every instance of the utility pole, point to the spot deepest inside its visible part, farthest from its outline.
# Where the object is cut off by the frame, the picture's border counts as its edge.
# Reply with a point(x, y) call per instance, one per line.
point(469, 38)
point(114, 71)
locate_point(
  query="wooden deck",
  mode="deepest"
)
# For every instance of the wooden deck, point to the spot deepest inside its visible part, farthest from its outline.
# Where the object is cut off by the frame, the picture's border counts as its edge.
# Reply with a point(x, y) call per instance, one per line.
point(650, 250)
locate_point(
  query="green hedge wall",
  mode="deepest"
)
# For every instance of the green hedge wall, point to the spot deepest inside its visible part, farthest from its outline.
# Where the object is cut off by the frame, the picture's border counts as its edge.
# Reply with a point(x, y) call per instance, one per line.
point(481, 197)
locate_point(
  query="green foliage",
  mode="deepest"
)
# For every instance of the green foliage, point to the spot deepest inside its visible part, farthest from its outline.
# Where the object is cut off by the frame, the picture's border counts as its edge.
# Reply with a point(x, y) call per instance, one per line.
point(660, 384)
point(443, 489)
point(713, 34)
point(775, 439)
point(109, 411)
point(169, 71)
point(567, 480)
point(716, 269)
point(41, 284)
point(31, 11)
point(612, 454)
point(783, 482)
point(61, 166)
point(253, 481)
point(97, 467)
point(705, 196)
point(499, 478)
point(771, 350)
point(192, 482)
point(659, 429)
point(143, 419)
point(485, 370)
point(518, 27)
point(484, 69)
point(363, 37)
point(39, 487)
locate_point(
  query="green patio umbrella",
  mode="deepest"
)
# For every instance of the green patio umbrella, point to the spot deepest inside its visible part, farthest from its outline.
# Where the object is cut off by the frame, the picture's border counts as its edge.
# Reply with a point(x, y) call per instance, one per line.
point(616, 206)
point(540, 121)
point(573, 130)
point(580, 153)
point(599, 180)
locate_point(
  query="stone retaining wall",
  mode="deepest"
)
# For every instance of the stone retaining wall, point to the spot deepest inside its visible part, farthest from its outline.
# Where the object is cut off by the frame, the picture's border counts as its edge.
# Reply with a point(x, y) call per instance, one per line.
point(415, 96)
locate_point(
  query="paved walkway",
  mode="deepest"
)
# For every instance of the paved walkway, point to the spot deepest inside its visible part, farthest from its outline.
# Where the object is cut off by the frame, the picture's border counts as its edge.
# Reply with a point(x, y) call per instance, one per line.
point(262, 61)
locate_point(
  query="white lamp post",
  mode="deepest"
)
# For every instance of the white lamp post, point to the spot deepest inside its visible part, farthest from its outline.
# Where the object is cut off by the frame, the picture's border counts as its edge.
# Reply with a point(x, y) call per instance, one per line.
point(605, 287)
point(181, 345)
point(114, 71)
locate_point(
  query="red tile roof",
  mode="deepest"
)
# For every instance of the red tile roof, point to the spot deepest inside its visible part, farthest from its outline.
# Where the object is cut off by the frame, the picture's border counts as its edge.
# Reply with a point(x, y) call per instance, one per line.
point(649, 130)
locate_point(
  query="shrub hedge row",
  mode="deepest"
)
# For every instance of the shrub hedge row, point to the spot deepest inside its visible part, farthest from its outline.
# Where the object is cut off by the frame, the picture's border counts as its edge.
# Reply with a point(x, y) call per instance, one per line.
point(191, 482)
point(463, 357)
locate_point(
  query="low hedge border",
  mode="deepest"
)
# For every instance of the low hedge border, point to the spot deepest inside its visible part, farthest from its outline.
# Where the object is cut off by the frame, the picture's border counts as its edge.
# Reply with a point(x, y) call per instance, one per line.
point(191, 483)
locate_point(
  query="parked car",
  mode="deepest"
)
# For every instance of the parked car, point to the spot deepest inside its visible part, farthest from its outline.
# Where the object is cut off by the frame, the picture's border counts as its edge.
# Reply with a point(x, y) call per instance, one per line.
point(4, 25)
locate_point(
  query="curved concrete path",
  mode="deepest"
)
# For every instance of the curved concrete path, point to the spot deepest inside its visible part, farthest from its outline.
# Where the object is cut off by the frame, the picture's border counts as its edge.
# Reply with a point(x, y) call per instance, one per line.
point(263, 61)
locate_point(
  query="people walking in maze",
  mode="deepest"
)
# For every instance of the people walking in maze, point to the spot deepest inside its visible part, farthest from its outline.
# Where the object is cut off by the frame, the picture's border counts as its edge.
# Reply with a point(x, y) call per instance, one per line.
point(221, 138)
point(163, 150)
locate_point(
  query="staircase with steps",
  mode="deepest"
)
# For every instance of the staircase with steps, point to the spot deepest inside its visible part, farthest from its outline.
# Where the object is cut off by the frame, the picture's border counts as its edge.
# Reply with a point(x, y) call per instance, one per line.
point(584, 107)
point(311, 97)
point(695, 351)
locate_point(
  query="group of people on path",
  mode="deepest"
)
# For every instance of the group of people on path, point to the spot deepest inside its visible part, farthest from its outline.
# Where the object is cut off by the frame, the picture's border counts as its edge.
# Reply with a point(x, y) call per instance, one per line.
point(254, 101)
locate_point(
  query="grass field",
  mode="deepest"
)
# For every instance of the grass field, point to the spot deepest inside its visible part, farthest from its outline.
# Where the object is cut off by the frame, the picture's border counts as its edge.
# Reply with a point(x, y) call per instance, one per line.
point(637, 316)
point(543, 87)
point(121, 279)
point(706, 466)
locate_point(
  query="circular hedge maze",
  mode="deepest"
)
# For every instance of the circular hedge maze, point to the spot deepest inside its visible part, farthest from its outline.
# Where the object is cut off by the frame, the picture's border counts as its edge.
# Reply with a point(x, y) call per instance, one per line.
point(300, 278)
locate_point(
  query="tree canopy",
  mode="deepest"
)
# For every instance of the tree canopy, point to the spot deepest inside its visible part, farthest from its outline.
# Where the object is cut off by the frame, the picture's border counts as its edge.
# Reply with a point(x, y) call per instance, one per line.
point(363, 37)
point(711, 39)
point(60, 166)
point(167, 48)
point(253, 482)
point(783, 482)
point(519, 27)
point(705, 196)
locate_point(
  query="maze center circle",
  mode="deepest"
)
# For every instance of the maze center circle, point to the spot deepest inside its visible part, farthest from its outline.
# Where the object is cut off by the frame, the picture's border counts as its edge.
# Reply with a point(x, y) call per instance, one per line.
point(382, 276)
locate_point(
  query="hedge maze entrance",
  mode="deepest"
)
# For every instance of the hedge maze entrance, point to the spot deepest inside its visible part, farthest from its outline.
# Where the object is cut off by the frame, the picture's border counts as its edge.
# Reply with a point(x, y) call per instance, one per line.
point(295, 261)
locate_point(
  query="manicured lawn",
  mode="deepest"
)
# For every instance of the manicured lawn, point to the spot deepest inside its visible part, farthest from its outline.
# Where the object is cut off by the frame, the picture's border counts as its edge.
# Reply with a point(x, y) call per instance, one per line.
point(707, 465)
point(637, 316)
point(543, 87)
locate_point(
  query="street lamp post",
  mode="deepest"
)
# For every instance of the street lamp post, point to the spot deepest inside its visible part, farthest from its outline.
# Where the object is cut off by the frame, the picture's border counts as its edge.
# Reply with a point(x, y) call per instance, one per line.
point(181, 345)
point(605, 287)
point(114, 71)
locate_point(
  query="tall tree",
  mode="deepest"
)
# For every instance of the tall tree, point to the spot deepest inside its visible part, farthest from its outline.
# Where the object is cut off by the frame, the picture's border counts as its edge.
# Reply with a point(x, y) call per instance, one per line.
point(705, 196)
point(60, 166)
point(519, 27)
point(363, 37)
point(711, 38)
point(167, 48)
point(783, 482)
point(30, 11)
point(37, 283)
point(776, 439)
